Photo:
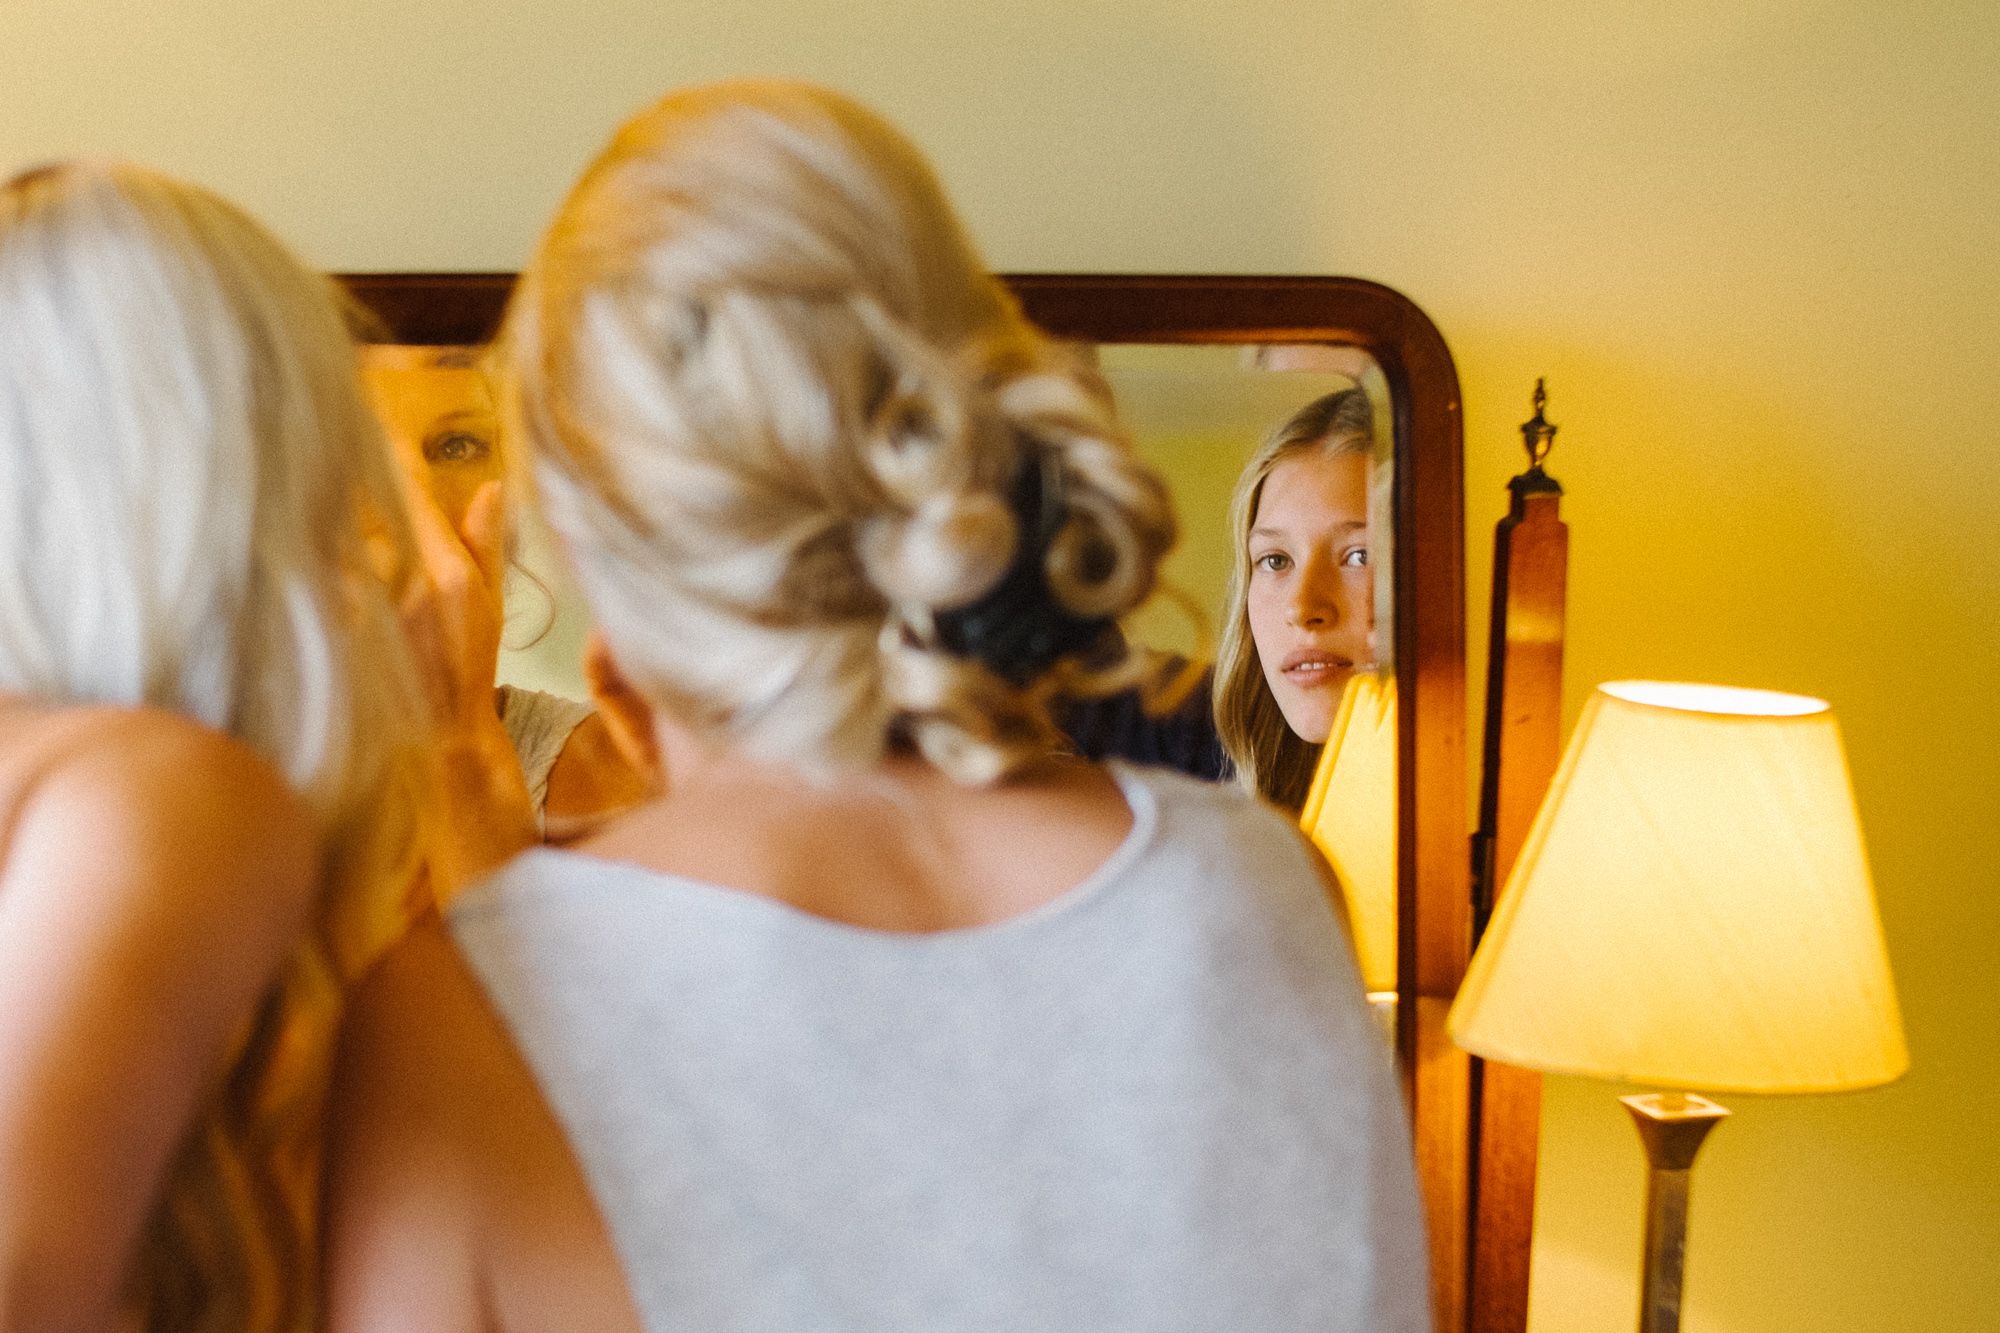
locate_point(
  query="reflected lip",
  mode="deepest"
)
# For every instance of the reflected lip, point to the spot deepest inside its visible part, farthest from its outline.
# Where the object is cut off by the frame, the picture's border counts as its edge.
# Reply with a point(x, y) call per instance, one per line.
point(1309, 665)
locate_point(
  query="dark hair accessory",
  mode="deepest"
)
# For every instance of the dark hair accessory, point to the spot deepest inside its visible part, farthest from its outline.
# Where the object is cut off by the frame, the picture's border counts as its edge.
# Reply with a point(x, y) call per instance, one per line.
point(1018, 629)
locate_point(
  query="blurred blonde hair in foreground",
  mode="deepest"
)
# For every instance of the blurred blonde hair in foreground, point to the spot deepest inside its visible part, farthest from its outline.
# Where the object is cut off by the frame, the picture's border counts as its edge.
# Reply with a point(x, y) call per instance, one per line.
point(188, 482)
point(777, 406)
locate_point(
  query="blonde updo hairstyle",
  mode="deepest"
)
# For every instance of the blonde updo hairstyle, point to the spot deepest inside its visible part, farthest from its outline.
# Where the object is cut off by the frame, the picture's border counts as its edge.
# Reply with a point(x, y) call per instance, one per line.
point(777, 407)
point(1270, 758)
point(193, 496)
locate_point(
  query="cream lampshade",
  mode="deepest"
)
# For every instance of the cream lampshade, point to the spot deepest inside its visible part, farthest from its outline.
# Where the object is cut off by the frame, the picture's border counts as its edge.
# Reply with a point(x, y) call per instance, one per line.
point(1692, 907)
point(1350, 812)
point(1691, 910)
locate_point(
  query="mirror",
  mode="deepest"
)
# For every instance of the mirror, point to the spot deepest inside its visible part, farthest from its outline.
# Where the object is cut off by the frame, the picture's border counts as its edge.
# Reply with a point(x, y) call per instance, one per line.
point(1203, 369)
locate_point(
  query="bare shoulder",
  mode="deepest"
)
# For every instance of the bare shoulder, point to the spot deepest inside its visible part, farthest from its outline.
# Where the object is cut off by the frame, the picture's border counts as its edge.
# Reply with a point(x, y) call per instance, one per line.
point(146, 802)
point(153, 878)
point(398, 1164)
point(182, 766)
point(438, 1215)
point(417, 1024)
point(419, 1044)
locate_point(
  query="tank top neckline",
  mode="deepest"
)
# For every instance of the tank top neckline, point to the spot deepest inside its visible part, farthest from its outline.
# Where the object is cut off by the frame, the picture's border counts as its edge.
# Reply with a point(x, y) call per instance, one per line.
point(581, 872)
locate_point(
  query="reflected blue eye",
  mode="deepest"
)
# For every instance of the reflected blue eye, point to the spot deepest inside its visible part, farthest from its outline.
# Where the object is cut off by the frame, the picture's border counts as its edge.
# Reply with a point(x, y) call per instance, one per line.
point(1355, 557)
point(1274, 562)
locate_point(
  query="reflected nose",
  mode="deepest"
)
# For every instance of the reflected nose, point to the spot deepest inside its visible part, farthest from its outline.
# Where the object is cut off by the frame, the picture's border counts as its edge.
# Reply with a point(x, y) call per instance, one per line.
point(1315, 603)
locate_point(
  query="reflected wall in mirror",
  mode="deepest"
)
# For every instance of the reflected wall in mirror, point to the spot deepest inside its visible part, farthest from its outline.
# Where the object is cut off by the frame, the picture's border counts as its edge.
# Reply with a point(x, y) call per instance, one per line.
point(1204, 369)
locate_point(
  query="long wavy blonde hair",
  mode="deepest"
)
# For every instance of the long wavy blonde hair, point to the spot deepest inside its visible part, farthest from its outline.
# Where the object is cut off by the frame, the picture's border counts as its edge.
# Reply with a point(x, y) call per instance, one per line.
point(777, 408)
point(1270, 758)
point(192, 497)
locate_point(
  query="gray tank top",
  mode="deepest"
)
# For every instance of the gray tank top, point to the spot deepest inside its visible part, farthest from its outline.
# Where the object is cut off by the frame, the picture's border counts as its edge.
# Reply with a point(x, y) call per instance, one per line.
point(1156, 1103)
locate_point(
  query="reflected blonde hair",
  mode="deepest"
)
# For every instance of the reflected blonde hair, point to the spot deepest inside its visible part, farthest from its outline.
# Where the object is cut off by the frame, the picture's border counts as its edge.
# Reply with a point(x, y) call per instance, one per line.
point(186, 471)
point(1270, 758)
point(776, 406)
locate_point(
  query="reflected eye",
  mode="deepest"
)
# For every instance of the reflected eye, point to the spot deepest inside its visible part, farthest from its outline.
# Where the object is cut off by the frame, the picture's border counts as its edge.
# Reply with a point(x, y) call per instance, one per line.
point(458, 446)
point(1273, 562)
point(1354, 557)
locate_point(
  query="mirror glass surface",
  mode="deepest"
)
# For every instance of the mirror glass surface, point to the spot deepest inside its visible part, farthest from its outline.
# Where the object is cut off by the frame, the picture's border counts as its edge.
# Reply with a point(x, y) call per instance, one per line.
point(1321, 545)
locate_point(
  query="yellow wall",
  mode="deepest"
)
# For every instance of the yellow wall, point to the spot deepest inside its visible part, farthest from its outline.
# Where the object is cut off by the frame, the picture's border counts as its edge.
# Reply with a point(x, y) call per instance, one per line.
point(1752, 244)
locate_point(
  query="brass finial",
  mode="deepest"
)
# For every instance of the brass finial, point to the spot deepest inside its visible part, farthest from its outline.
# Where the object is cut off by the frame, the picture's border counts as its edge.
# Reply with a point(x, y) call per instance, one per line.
point(1538, 435)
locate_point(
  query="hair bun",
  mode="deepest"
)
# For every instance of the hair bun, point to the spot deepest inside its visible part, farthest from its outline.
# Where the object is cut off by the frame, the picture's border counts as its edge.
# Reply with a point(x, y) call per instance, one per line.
point(947, 554)
point(892, 509)
point(1048, 402)
point(1019, 628)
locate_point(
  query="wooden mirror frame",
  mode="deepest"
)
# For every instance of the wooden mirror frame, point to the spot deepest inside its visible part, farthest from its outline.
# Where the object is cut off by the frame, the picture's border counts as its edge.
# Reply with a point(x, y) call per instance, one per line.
point(1435, 930)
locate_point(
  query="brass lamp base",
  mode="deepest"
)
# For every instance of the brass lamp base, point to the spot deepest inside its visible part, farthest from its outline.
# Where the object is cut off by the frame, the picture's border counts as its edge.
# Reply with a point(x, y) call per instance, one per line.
point(1672, 1126)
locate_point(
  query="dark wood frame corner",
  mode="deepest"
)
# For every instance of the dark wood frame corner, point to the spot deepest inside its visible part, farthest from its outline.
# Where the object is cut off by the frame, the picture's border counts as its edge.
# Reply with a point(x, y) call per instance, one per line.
point(1436, 906)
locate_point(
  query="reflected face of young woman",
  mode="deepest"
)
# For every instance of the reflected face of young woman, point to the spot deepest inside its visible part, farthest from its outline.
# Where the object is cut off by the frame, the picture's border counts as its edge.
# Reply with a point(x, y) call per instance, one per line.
point(1311, 591)
point(437, 410)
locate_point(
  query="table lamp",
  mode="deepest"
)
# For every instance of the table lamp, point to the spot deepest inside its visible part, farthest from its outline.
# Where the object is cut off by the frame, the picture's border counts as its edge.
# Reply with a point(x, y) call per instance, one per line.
point(1350, 812)
point(1691, 910)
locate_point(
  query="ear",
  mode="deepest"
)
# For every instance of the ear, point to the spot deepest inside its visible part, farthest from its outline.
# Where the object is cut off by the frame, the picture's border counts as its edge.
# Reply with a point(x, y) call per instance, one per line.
point(627, 716)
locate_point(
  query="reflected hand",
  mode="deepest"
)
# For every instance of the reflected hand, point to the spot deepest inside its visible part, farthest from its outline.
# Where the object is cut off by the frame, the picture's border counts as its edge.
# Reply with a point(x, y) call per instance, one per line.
point(452, 617)
point(452, 608)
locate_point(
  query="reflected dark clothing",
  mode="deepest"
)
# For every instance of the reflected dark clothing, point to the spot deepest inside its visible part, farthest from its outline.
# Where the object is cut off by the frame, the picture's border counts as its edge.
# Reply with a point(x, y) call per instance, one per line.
point(1118, 726)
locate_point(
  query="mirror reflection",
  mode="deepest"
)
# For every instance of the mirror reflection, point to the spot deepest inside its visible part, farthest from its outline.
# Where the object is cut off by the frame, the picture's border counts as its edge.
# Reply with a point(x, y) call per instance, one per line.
point(1282, 609)
point(437, 410)
point(1281, 463)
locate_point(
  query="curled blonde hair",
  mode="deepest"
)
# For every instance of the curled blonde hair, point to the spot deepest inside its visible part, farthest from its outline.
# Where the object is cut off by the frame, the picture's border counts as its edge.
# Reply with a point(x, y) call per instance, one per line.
point(777, 407)
point(189, 479)
point(1270, 758)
